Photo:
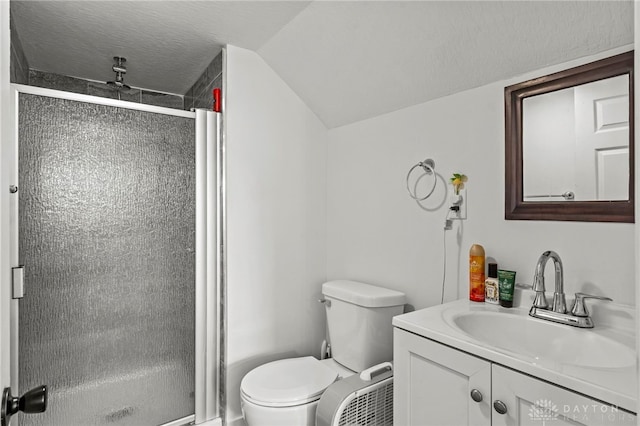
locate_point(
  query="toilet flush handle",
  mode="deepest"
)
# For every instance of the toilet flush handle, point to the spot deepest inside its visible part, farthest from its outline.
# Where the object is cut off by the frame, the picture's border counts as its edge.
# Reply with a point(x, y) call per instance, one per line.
point(327, 302)
point(370, 372)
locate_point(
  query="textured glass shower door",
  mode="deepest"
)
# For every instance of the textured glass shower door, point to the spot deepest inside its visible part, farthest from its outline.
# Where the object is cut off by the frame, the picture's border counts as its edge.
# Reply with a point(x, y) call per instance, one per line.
point(107, 236)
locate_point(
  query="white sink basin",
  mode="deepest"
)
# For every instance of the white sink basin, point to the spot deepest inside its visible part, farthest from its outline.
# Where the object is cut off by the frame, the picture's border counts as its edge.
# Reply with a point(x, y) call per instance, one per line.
point(544, 341)
point(599, 362)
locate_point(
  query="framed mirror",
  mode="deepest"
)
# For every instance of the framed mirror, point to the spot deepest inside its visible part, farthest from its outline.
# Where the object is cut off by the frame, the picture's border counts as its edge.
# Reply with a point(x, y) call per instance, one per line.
point(569, 144)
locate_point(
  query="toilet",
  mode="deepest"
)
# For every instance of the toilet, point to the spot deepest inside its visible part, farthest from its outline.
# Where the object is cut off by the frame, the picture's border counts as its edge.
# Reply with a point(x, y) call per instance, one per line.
point(286, 392)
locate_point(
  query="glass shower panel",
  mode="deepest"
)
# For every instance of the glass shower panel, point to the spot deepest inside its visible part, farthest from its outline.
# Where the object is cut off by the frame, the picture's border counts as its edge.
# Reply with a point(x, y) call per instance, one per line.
point(107, 235)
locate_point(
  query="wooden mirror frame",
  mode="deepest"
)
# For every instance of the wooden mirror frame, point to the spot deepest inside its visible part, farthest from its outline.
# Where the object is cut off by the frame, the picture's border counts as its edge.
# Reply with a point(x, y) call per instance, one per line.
point(586, 211)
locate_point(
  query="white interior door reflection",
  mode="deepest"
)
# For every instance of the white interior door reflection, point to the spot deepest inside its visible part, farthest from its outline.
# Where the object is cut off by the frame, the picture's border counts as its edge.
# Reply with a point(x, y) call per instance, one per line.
point(576, 143)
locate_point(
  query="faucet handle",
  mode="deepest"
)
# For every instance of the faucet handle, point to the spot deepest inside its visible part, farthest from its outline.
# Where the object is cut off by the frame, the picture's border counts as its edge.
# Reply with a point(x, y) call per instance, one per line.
point(580, 308)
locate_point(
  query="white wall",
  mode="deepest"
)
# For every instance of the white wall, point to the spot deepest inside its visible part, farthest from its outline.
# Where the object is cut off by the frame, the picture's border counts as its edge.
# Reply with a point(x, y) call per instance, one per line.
point(378, 234)
point(636, 38)
point(6, 133)
point(276, 207)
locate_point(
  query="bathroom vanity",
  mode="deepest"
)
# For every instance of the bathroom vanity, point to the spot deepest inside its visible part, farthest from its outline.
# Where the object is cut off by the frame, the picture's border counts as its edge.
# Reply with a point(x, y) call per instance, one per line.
point(467, 363)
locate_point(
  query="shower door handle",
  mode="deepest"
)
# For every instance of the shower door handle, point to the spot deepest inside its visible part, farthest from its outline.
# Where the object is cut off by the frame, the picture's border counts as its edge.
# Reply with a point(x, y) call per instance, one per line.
point(34, 401)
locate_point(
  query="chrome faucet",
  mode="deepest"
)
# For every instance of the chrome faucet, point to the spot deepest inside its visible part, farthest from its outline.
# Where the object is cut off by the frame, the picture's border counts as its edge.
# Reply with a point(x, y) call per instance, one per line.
point(579, 316)
point(559, 304)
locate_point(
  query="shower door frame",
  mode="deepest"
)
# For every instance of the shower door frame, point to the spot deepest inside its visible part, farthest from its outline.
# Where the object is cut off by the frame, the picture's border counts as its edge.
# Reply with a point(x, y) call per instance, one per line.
point(209, 256)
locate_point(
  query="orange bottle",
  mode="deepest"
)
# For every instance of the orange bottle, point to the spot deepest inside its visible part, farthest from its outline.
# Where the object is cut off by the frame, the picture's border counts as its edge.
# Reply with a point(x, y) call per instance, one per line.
point(476, 273)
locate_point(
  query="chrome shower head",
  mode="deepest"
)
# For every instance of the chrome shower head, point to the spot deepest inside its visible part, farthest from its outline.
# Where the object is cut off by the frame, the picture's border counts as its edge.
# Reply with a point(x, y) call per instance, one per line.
point(118, 85)
point(120, 70)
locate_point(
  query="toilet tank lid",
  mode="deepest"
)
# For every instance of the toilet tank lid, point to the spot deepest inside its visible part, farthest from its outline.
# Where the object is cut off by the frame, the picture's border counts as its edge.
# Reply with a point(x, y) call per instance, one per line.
point(361, 294)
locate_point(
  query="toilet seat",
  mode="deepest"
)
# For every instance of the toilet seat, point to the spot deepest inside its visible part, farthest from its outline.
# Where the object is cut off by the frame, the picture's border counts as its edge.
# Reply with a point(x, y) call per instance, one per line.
point(288, 382)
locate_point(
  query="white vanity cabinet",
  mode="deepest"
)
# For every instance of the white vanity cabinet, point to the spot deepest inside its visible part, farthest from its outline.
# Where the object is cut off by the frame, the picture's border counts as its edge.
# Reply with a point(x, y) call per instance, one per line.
point(433, 383)
point(438, 385)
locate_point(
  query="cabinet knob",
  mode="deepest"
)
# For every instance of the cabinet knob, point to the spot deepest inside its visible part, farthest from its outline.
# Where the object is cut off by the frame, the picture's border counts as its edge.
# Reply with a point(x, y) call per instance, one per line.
point(476, 395)
point(500, 406)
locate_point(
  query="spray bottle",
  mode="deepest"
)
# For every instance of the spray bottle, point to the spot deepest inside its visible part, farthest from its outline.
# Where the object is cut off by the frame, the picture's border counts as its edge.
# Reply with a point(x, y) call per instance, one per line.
point(476, 273)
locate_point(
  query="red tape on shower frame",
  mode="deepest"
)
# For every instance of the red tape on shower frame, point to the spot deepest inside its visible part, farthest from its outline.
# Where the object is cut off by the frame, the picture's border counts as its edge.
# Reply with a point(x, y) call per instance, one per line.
point(217, 105)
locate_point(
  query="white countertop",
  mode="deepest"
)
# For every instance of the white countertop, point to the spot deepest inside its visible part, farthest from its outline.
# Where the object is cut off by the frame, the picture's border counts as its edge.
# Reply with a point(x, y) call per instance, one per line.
point(617, 386)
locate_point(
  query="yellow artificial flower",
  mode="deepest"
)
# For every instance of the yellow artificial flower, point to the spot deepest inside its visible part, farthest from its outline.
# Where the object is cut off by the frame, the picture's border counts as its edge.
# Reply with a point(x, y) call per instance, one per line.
point(458, 181)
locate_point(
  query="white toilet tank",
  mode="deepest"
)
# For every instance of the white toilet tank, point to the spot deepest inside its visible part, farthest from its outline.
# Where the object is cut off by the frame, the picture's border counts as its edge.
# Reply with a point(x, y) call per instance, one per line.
point(359, 321)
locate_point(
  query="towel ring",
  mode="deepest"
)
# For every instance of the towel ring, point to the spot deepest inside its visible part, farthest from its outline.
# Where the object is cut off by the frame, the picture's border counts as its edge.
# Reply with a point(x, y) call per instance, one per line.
point(428, 166)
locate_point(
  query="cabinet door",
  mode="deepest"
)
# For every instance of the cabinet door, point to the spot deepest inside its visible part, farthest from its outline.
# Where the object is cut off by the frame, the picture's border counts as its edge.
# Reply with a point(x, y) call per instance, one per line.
point(433, 384)
point(533, 402)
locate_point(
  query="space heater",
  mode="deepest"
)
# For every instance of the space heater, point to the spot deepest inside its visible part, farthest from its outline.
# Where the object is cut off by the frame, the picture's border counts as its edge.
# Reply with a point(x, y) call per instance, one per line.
point(364, 399)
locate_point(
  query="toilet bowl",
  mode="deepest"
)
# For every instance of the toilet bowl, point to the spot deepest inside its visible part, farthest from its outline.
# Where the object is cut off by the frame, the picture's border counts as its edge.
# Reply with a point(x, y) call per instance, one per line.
point(286, 392)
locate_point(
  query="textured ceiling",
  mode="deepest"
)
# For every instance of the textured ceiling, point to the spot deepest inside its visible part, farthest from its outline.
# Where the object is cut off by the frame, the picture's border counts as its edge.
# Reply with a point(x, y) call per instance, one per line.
point(348, 60)
point(353, 60)
point(167, 44)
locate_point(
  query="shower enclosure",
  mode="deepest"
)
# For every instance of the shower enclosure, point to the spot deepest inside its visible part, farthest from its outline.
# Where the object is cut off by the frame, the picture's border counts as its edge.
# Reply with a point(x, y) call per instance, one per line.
point(116, 254)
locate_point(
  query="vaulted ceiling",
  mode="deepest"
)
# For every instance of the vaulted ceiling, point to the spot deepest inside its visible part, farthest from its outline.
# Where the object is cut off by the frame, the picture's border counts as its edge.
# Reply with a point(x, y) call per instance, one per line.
point(348, 60)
